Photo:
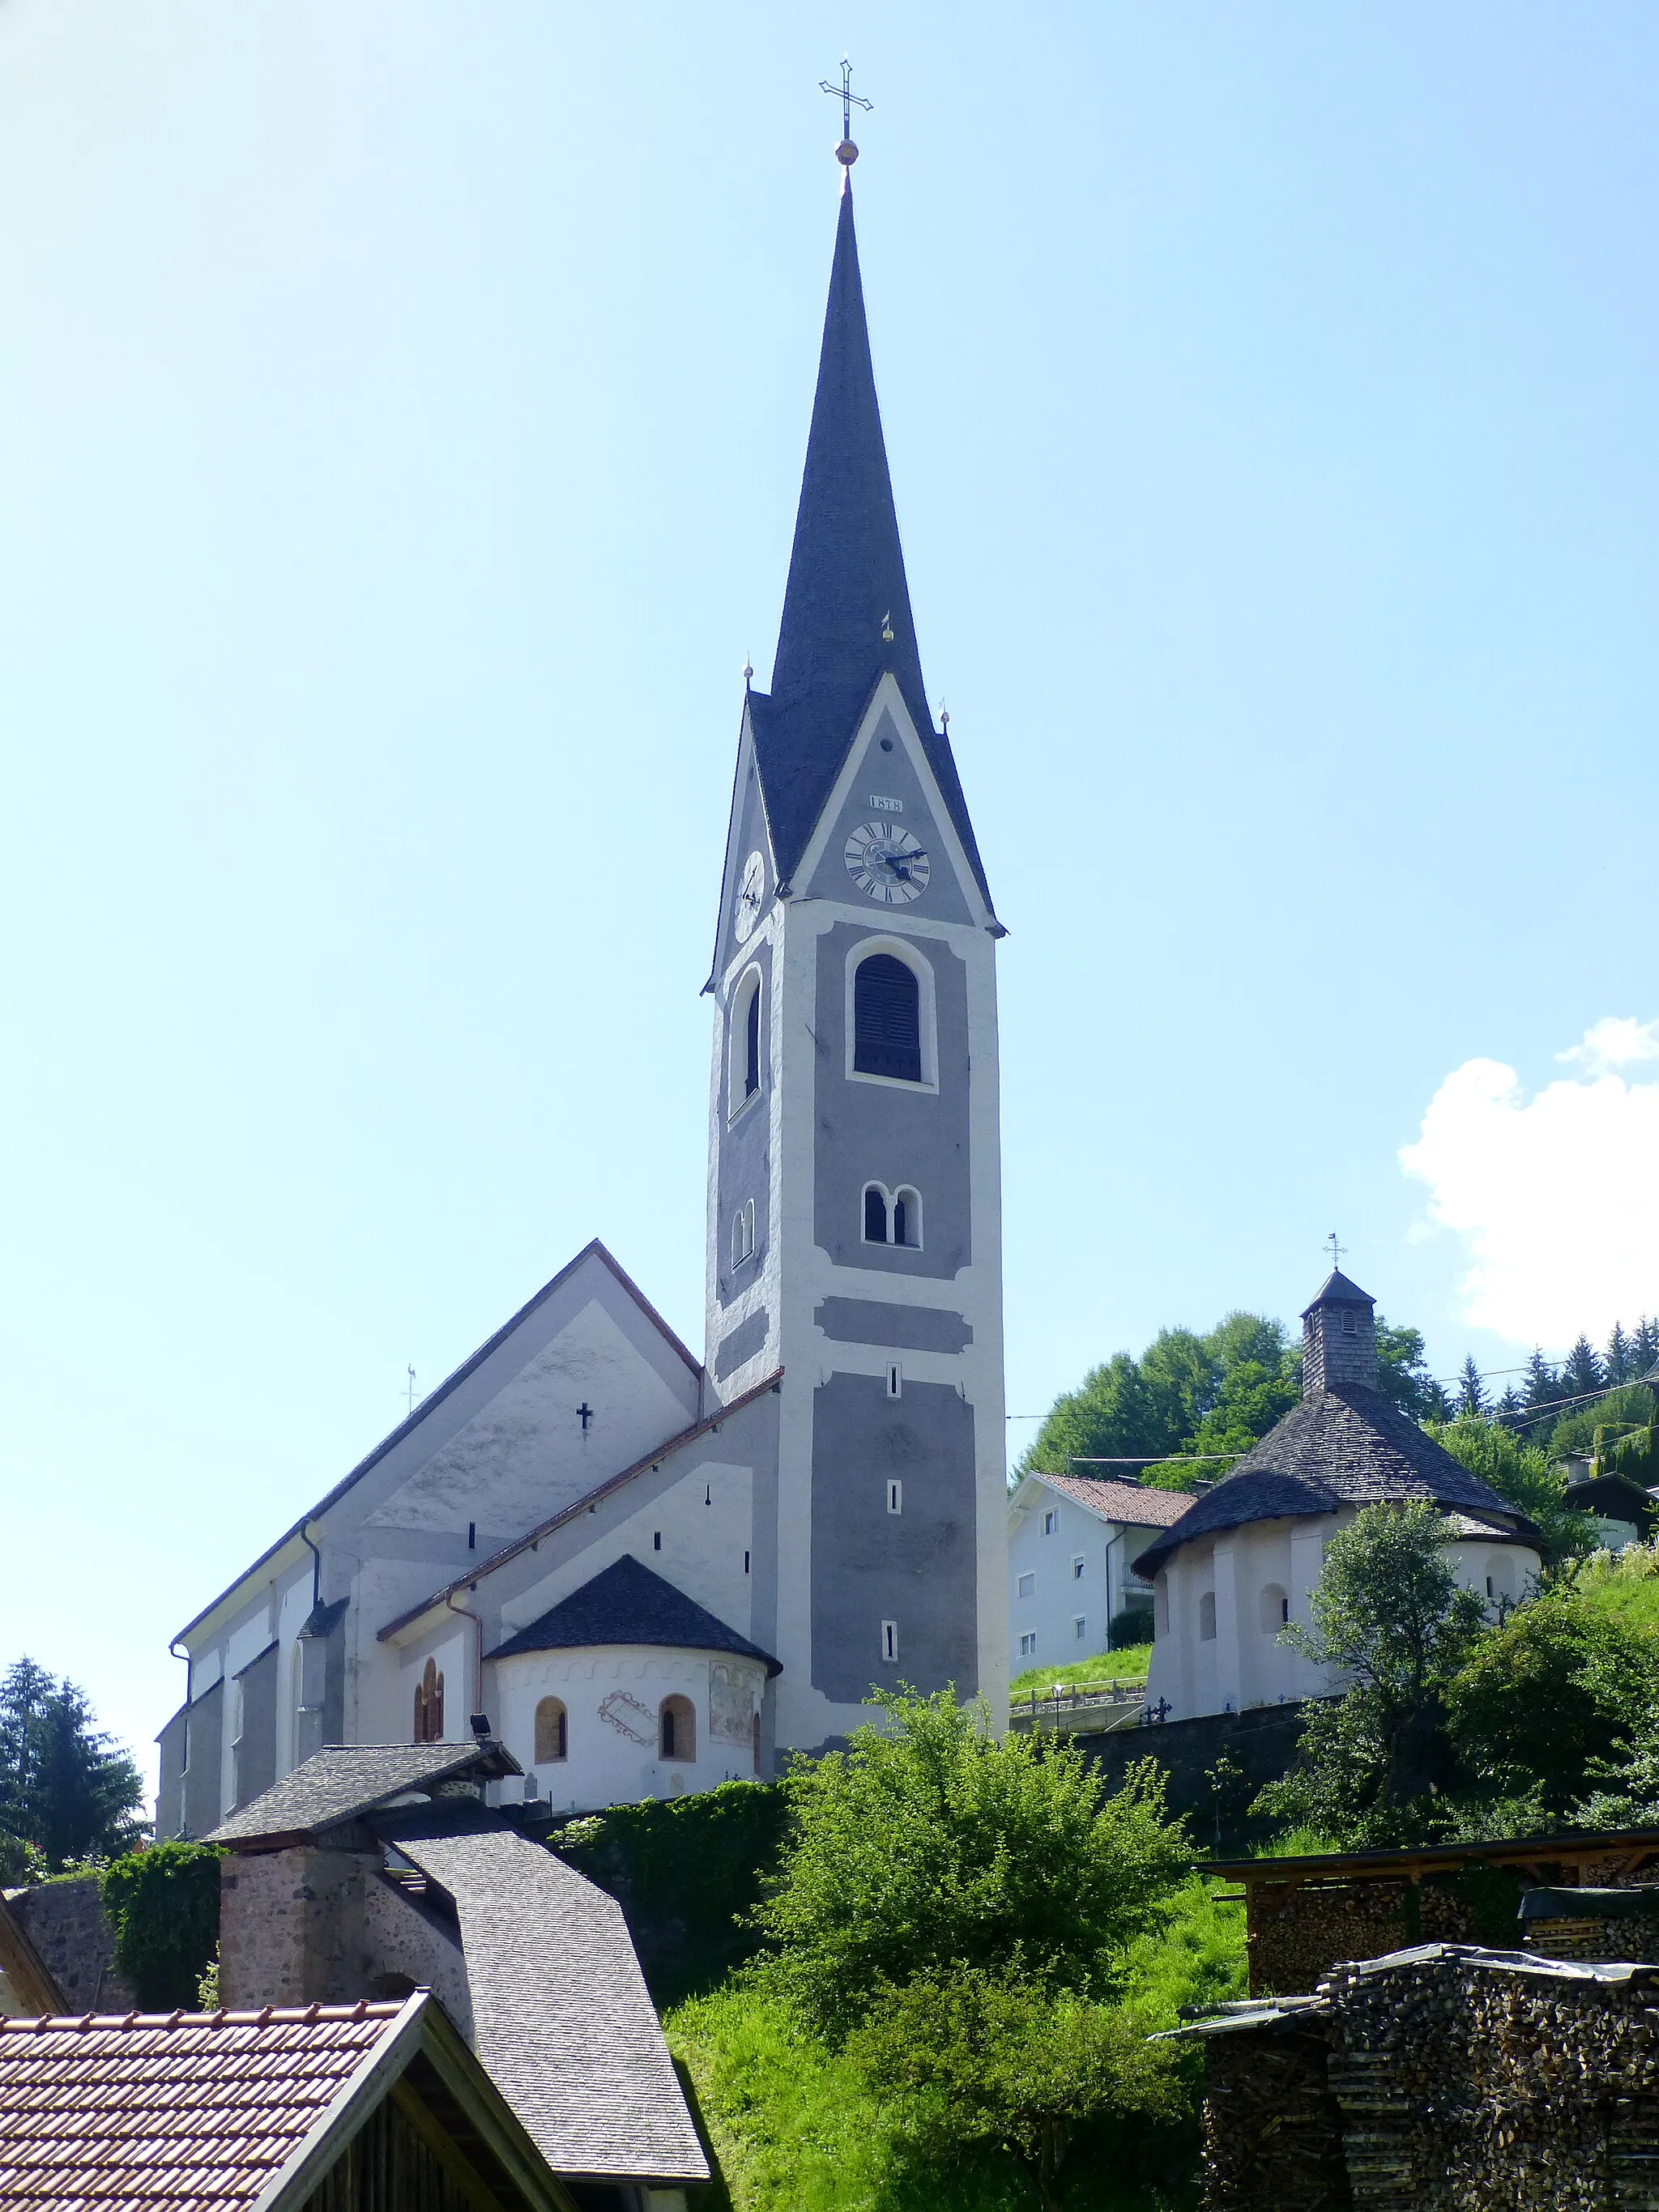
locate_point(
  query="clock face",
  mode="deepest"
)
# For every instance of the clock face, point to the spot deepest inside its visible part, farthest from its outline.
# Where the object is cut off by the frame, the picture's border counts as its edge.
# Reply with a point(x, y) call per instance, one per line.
point(749, 892)
point(886, 863)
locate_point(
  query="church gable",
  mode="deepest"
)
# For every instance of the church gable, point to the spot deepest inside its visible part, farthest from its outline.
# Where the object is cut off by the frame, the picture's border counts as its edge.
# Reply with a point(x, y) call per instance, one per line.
point(885, 814)
point(571, 1397)
point(749, 879)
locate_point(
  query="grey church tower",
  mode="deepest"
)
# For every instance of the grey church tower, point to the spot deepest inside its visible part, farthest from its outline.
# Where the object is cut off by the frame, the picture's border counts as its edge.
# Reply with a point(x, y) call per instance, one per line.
point(854, 1223)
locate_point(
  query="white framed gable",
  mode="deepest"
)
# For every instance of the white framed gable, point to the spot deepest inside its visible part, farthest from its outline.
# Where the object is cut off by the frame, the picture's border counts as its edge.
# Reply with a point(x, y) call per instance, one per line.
point(885, 760)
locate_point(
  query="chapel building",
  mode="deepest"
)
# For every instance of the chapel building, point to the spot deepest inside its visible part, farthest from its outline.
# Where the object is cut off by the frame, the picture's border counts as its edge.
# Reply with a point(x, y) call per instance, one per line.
point(645, 1572)
point(1242, 1563)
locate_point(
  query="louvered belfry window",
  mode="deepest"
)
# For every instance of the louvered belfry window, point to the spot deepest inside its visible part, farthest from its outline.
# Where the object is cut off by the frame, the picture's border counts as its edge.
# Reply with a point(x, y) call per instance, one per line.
point(886, 1020)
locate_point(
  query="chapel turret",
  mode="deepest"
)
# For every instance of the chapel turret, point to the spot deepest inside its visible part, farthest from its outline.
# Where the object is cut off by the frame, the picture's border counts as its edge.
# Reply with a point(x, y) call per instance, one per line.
point(1339, 1338)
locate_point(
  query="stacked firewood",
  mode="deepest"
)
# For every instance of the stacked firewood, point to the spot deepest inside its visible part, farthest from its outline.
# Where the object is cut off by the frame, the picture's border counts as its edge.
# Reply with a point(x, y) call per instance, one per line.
point(1443, 2080)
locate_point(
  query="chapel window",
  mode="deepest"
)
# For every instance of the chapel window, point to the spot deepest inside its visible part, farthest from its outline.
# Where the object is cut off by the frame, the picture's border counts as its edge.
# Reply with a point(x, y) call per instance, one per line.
point(677, 1729)
point(886, 1020)
point(1207, 1616)
point(552, 1731)
point(429, 1705)
point(1275, 1609)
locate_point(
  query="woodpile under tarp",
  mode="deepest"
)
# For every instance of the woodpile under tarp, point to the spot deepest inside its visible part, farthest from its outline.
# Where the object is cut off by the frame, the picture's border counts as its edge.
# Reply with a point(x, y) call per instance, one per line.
point(1445, 2078)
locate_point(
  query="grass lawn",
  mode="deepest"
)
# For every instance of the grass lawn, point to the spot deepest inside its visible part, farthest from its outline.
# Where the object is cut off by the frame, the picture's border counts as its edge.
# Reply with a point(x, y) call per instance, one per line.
point(1129, 1665)
point(796, 2128)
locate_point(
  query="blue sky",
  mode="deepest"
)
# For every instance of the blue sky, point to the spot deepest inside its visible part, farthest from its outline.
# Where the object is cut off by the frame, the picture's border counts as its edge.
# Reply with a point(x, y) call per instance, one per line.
point(401, 417)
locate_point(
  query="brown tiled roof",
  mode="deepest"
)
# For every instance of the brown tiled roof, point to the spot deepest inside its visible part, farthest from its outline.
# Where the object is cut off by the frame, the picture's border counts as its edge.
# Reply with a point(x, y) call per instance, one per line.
point(1126, 1502)
point(173, 2112)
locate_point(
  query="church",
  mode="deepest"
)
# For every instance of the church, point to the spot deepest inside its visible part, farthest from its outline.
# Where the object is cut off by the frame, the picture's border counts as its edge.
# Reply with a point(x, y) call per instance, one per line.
point(640, 1571)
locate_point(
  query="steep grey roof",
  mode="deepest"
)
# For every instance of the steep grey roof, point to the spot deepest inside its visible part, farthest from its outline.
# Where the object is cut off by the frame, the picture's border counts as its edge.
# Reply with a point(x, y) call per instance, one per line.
point(1336, 1290)
point(847, 583)
point(345, 1780)
point(561, 2015)
point(627, 1603)
point(1347, 1447)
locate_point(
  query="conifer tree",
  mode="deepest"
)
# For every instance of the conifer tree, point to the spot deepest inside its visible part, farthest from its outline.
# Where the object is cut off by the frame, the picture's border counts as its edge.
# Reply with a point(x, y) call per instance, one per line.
point(1644, 1346)
point(1471, 1389)
point(1583, 1372)
point(1541, 1386)
point(65, 1789)
point(1617, 1364)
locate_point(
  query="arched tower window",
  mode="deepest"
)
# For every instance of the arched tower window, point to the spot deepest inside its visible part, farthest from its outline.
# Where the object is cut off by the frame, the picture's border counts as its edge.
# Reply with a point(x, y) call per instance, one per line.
point(552, 1732)
point(676, 1727)
point(886, 1020)
point(429, 1705)
point(907, 1218)
point(875, 1214)
point(744, 1030)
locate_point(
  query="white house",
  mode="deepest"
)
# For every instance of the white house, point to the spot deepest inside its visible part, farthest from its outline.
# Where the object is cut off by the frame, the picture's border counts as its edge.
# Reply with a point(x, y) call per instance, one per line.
point(1244, 1562)
point(1073, 1541)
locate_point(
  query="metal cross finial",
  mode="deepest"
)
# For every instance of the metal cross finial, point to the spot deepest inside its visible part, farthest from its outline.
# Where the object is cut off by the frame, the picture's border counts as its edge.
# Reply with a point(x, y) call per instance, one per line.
point(847, 153)
point(1337, 1250)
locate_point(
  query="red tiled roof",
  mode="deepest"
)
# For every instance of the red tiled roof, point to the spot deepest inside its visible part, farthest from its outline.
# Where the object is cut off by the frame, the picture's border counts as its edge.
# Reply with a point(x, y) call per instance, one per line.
point(1120, 1501)
point(169, 2112)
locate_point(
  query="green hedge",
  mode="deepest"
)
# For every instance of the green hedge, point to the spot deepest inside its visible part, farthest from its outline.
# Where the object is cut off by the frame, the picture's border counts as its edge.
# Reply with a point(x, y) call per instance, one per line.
point(163, 1904)
point(686, 1871)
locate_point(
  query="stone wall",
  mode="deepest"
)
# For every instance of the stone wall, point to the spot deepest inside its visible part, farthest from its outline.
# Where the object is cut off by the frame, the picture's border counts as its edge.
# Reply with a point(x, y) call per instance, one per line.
point(1260, 1743)
point(291, 1929)
point(1454, 2080)
point(64, 1921)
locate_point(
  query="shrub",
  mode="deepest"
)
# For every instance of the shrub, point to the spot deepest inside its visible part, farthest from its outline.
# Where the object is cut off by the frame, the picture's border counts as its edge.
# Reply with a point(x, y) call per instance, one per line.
point(163, 1904)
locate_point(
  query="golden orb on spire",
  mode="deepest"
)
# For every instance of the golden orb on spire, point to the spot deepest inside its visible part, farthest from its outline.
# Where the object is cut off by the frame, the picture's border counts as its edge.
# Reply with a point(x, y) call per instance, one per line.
point(847, 153)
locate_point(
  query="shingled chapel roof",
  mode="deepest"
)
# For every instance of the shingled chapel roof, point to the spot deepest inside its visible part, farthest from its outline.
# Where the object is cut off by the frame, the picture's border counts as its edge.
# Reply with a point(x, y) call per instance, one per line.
point(627, 1603)
point(1347, 1447)
point(846, 587)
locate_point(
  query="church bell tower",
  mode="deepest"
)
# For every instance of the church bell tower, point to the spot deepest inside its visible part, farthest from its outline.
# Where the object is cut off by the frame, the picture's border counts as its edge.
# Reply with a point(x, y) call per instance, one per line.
point(854, 1213)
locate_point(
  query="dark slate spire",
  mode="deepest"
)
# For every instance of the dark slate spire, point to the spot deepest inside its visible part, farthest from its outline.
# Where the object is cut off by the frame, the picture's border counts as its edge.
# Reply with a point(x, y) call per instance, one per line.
point(847, 615)
point(847, 584)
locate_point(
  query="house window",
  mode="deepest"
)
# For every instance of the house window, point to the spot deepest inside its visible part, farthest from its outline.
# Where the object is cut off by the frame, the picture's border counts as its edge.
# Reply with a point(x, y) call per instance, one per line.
point(552, 1731)
point(1026, 1586)
point(886, 1020)
point(875, 1214)
point(1050, 1521)
point(1207, 1616)
point(677, 1729)
point(896, 1497)
point(890, 1639)
point(1076, 1568)
point(907, 1217)
point(429, 1705)
point(895, 1381)
point(1028, 1644)
point(1275, 1609)
point(1080, 1626)
point(743, 1233)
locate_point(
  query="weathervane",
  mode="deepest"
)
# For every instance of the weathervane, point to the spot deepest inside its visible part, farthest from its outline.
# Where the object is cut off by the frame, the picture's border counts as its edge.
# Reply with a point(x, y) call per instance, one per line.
point(1337, 1250)
point(847, 153)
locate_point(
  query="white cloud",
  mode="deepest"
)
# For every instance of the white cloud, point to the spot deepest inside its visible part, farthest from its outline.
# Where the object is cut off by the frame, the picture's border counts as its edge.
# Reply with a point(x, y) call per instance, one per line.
point(1556, 1196)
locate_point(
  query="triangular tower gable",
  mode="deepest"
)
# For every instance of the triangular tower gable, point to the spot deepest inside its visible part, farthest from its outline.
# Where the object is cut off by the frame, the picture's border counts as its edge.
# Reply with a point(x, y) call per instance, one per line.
point(749, 832)
point(887, 778)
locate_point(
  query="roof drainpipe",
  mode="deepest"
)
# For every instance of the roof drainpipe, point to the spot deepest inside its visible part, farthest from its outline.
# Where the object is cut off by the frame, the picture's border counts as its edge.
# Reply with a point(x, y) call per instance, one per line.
point(316, 1568)
point(449, 1599)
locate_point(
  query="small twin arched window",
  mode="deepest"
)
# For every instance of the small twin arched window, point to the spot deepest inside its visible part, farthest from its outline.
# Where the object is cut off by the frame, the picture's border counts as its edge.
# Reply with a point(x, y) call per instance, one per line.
point(894, 1218)
point(552, 1732)
point(886, 1020)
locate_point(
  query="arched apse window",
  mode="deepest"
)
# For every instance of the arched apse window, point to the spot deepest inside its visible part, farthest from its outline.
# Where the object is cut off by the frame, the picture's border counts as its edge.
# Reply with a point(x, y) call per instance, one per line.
point(1275, 1609)
point(743, 1071)
point(677, 1729)
point(552, 1732)
point(1207, 1616)
point(907, 1217)
point(429, 1705)
point(886, 1020)
point(875, 1214)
